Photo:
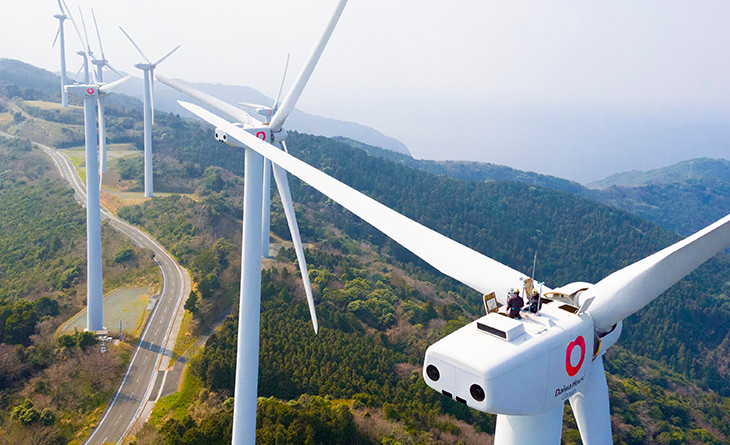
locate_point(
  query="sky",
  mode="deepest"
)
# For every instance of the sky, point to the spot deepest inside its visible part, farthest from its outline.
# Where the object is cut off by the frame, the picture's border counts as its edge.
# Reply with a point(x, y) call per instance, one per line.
point(579, 90)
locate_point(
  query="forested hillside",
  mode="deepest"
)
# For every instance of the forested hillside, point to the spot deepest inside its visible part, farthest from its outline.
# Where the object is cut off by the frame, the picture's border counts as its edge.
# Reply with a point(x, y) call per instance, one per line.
point(683, 198)
point(50, 386)
point(577, 239)
point(379, 307)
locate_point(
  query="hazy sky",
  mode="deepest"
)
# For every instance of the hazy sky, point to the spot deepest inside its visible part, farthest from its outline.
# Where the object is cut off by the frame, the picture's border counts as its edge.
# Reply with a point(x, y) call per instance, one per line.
point(576, 89)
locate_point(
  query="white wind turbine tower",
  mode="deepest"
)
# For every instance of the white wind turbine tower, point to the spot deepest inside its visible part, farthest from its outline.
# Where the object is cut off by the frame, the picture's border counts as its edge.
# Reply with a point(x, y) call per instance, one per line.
point(84, 67)
point(149, 111)
point(61, 17)
point(91, 93)
point(522, 370)
point(247, 359)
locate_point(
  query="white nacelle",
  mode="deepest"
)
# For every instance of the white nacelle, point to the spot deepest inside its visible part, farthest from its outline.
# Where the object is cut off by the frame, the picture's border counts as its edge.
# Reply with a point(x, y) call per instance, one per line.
point(82, 90)
point(265, 111)
point(263, 132)
point(516, 367)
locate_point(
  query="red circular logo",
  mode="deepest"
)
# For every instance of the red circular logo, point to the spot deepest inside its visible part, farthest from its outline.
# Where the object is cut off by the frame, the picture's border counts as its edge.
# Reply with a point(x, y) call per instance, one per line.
point(90, 90)
point(581, 343)
point(261, 135)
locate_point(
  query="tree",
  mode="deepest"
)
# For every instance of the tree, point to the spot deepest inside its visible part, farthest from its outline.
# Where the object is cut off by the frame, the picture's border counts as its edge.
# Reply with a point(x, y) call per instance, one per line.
point(86, 339)
point(20, 324)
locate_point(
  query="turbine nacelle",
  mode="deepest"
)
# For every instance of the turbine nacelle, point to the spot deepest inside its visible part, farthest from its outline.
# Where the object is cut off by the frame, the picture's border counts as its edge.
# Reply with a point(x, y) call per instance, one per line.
point(262, 132)
point(262, 110)
point(84, 90)
point(516, 367)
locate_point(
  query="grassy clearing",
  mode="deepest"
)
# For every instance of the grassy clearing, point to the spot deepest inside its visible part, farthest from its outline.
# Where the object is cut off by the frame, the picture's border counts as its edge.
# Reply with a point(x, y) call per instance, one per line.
point(127, 305)
point(175, 405)
point(47, 105)
point(185, 337)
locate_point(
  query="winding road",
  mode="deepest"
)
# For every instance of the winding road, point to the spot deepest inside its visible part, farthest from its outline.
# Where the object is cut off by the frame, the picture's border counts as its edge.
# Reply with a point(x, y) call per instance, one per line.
point(148, 369)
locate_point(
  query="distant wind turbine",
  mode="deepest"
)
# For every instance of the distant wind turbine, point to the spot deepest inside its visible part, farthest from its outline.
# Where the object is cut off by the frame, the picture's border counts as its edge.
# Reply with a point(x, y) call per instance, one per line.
point(269, 133)
point(100, 65)
point(149, 111)
point(62, 43)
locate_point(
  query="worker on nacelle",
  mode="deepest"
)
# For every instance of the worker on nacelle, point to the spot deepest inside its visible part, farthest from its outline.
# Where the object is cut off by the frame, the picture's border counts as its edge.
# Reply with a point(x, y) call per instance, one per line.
point(535, 301)
point(515, 304)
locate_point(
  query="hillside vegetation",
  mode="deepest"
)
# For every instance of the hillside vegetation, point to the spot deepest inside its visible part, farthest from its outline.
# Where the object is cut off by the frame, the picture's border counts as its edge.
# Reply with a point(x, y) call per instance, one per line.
point(50, 386)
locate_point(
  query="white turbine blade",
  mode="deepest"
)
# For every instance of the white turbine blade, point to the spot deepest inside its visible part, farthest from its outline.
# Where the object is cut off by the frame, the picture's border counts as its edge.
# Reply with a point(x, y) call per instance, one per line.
point(591, 407)
point(281, 86)
point(102, 139)
point(61, 7)
point(152, 94)
point(224, 108)
point(451, 258)
point(135, 45)
point(249, 104)
point(154, 65)
point(282, 183)
point(101, 48)
point(86, 35)
point(58, 33)
point(291, 99)
point(111, 68)
point(73, 22)
point(109, 87)
point(626, 291)
point(76, 77)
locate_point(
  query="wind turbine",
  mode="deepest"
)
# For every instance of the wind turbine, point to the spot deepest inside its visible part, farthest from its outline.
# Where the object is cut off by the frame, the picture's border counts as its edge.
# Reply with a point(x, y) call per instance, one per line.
point(91, 92)
point(149, 111)
point(268, 133)
point(61, 17)
point(490, 364)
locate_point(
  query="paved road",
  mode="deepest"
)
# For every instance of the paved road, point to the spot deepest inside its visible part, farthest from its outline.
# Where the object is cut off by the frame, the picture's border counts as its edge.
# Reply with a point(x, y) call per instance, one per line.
point(147, 373)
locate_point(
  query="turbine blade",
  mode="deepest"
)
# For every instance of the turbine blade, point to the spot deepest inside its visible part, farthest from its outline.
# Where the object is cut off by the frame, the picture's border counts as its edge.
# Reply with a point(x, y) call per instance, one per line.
point(282, 183)
point(73, 22)
point(109, 87)
point(58, 33)
point(154, 65)
point(86, 35)
point(111, 68)
point(61, 7)
point(101, 48)
point(281, 86)
point(626, 291)
point(451, 258)
point(248, 104)
point(224, 108)
point(591, 407)
point(102, 139)
point(135, 45)
point(76, 77)
point(291, 99)
point(152, 95)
